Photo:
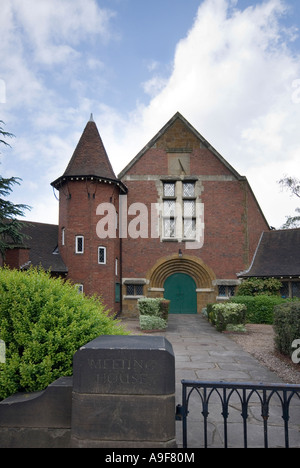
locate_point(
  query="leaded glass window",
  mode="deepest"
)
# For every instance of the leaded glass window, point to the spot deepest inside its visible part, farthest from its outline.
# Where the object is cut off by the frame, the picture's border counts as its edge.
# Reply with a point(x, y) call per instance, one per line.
point(134, 289)
point(189, 209)
point(169, 189)
point(79, 245)
point(169, 208)
point(296, 289)
point(102, 255)
point(169, 228)
point(188, 189)
point(189, 226)
point(130, 289)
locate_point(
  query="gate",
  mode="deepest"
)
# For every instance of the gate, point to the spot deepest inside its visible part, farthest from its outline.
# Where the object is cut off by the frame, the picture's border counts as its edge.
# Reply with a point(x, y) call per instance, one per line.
point(251, 411)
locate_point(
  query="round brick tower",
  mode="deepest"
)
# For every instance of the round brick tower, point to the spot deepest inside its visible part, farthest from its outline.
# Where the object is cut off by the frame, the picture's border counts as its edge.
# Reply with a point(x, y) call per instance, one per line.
point(93, 262)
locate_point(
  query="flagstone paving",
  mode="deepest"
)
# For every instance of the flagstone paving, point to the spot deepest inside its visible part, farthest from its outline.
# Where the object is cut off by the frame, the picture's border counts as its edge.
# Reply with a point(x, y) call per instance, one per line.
point(202, 353)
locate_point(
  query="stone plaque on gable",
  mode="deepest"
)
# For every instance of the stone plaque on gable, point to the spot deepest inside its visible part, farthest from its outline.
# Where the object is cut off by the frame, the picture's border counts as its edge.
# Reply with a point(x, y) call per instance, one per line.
point(137, 366)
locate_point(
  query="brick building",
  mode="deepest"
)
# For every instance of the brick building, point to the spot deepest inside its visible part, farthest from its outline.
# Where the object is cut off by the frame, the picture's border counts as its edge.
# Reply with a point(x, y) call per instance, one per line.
point(178, 222)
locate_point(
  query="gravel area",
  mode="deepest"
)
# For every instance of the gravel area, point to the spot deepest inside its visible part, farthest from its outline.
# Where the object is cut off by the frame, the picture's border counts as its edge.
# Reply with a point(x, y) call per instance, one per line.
point(259, 341)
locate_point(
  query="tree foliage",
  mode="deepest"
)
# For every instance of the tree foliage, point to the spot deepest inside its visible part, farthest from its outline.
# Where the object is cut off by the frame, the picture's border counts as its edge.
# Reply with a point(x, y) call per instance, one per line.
point(291, 184)
point(258, 286)
point(10, 227)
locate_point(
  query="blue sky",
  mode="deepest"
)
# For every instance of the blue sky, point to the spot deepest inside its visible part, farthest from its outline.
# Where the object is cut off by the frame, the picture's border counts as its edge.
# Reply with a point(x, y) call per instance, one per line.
point(231, 67)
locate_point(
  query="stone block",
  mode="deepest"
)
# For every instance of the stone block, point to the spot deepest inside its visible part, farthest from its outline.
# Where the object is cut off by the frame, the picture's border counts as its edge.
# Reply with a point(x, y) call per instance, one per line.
point(122, 417)
point(125, 365)
point(50, 408)
point(124, 393)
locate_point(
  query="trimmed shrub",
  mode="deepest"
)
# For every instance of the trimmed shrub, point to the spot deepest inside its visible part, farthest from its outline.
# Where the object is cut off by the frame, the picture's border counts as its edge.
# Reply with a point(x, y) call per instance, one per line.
point(149, 306)
point(286, 326)
point(228, 314)
point(151, 322)
point(154, 308)
point(43, 322)
point(260, 309)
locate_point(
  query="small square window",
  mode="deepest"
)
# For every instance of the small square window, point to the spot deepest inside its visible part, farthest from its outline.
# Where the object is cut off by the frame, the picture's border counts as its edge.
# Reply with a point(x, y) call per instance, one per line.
point(139, 289)
point(169, 189)
point(130, 289)
point(79, 245)
point(188, 189)
point(222, 290)
point(102, 255)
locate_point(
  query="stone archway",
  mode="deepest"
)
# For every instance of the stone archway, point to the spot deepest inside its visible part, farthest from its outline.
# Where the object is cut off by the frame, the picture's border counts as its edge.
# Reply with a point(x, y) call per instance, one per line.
point(202, 275)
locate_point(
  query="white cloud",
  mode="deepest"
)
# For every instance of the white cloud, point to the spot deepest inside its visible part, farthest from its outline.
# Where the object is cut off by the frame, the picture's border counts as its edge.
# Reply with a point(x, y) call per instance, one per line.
point(234, 79)
point(54, 27)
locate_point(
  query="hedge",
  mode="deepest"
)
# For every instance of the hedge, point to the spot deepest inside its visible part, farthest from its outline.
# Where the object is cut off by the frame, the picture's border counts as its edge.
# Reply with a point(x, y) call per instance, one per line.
point(286, 326)
point(43, 322)
point(260, 309)
point(226, 315)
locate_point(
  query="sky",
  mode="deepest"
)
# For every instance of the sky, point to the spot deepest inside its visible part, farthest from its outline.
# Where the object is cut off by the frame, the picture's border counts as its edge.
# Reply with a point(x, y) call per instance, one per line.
point(230, 67)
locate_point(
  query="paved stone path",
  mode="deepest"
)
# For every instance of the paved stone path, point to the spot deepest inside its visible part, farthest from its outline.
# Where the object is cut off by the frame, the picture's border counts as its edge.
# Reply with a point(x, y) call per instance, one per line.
point(202, 353)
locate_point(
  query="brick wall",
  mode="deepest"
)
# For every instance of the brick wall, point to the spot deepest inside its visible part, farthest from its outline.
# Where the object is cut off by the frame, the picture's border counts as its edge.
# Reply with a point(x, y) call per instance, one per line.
point(78, 206)
point(233, 219)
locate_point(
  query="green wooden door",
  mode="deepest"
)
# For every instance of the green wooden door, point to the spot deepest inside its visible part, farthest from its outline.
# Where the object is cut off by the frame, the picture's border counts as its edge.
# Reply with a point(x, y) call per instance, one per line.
point(180, 289)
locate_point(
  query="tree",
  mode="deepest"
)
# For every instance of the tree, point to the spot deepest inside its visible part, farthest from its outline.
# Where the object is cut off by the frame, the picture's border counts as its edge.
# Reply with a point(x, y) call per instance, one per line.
point(293, 185)
point(10, 227)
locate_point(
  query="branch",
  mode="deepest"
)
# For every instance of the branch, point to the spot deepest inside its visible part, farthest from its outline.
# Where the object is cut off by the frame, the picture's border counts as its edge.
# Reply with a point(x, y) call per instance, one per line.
point(292, 184)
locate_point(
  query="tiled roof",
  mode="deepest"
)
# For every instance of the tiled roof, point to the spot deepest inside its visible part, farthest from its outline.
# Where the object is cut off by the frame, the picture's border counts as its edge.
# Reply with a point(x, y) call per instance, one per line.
point(89, 159)
point(277, 255)
point(42, 242)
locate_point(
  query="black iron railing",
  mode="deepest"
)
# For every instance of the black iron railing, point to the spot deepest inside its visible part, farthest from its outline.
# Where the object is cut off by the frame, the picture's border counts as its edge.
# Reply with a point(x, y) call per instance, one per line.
point(281, 401)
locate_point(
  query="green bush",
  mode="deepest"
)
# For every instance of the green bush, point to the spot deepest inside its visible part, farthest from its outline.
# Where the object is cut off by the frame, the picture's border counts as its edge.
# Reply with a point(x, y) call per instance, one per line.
point(43, 322)
point(153, 312)
point(149, 306)
point(286, 326)
point(260, 309)
point(151, 322)
point(258, 286)
point(228, 314)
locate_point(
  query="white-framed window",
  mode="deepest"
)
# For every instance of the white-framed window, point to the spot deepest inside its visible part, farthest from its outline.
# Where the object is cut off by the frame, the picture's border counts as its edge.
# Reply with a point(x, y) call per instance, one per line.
point(63, 236)
point(79, 245)
point(102, 255)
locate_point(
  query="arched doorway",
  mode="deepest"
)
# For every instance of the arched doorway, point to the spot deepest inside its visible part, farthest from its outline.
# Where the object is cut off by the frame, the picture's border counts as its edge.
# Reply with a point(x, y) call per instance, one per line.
point(180, 289)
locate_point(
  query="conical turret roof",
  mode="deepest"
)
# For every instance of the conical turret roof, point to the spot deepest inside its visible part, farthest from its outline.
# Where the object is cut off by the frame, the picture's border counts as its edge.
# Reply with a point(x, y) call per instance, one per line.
point(89, 159)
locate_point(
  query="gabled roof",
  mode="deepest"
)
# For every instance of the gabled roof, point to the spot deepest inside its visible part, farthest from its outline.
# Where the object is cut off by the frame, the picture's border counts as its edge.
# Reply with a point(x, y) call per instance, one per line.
point(41, 240)
point(197, 135)
point(277, 255)
point(89, 159)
